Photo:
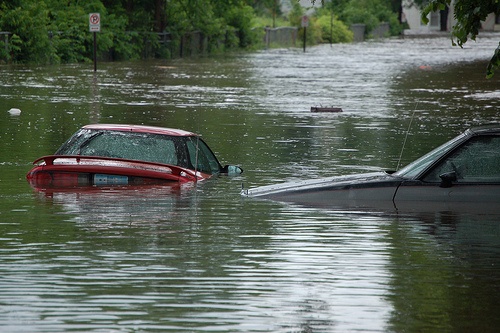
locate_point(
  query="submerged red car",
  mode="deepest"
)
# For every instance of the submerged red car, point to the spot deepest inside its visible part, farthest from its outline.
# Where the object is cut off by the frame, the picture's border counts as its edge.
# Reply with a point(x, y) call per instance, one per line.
point(107, 154)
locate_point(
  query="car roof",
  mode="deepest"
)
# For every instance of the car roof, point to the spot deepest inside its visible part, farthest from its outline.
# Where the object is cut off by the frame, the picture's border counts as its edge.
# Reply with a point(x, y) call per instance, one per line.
point(140, 129)
point(488, 129)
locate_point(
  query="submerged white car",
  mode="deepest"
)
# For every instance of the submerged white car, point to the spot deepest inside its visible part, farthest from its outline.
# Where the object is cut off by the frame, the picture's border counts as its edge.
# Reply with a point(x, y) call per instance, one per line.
point(463, 171)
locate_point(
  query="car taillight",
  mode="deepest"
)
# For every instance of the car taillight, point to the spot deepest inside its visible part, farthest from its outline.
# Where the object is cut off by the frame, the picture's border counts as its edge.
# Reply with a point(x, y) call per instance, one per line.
point(58, 179)
point(40, 179)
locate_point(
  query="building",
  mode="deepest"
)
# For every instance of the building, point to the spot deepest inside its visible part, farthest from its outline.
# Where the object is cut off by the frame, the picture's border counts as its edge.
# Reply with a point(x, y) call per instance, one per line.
point(439, 21)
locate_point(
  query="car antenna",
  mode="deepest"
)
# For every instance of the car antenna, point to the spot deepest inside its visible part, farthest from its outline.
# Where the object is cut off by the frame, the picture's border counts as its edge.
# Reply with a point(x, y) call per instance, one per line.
point(406, 136)
point(196, 159)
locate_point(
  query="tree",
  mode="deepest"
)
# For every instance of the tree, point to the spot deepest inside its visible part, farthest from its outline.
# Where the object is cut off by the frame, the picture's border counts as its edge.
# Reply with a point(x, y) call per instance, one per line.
point(266, 7)
point(469, 14)
point(27, 21)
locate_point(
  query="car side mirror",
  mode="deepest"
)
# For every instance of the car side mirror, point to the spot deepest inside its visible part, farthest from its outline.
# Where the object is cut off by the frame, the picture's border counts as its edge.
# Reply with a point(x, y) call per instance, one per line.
point(232, 170)
point(447, 179)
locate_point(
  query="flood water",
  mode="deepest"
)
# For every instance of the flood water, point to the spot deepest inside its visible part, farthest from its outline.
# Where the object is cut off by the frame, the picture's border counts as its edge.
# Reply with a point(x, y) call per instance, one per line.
point(202, 258)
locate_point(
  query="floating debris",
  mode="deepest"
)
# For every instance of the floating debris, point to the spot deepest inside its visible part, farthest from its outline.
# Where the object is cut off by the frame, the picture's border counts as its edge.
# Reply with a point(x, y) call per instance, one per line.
point(14, 111)
point(325, 109)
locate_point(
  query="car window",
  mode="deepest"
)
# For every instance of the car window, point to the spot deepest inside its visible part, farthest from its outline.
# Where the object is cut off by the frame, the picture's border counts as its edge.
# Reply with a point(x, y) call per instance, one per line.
point(72, 145)
point(158, 148)
point(478, 160)
point(133, 146)
point(202, 157)
point(418, 166)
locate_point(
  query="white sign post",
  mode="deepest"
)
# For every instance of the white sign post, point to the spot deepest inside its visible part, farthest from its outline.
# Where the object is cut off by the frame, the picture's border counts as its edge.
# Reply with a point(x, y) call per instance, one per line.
point(95, 22)
point(95, 26)
point(305, 21)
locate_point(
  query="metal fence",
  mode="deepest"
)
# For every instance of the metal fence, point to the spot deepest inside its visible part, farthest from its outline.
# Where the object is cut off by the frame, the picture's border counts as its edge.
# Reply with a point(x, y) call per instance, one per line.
point(359, 31)
point(282, 36)
point(164, 45)
point(167, 45)
point(187, 45)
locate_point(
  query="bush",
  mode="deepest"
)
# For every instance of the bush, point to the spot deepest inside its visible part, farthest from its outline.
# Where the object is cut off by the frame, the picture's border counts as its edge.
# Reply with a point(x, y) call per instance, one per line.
point(371, 13)
point(67, 33)
point(30, 42)
point(338, 33)
point(240, 18)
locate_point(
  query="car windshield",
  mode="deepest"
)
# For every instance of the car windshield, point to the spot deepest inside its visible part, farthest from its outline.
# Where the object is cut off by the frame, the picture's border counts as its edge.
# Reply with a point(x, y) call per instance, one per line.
point(414, 169)
point(185, 151)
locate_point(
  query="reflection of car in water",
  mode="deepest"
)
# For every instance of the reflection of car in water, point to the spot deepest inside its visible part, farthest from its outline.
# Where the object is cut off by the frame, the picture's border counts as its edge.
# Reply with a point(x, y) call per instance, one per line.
point(462, 171)
point(99, 207)
point(127, 154)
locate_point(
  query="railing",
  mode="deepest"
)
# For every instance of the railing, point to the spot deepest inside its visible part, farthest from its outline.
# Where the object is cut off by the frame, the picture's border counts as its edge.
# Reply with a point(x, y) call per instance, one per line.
point(168, 45)
point(280, 37)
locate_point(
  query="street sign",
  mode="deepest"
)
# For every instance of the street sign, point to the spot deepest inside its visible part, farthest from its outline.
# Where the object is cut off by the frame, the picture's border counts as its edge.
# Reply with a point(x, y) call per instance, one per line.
point(305, 21)
point(95, 26)
point(94, 22)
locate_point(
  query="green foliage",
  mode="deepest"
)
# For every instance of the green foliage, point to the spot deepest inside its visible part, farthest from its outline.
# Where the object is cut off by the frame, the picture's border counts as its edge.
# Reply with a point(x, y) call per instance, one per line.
point(295, 16)
point(371, 13)
point(15, 44)
point(66, 32)
point(55, 31)
point(358, 14)
point(494, 63)
point(28, 22)
point(333, 31)
point(468, 15)
point(313, 32)
point(390, 17)
point(267, 21)
point(240, 18)
point(268, 8)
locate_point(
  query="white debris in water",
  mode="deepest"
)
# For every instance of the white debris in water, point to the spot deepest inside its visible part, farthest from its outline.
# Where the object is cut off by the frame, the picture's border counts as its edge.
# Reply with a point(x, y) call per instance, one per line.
point(14, 111)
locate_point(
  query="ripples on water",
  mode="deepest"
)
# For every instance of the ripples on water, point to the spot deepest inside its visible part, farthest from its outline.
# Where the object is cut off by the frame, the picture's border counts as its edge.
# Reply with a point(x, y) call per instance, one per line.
point(202, 258)
point(289, 271)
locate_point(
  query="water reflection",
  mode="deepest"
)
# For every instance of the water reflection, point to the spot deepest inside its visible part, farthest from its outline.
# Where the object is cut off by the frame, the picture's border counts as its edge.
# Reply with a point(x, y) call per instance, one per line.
point(102, 207)
point(305, 272)
point(443, 266)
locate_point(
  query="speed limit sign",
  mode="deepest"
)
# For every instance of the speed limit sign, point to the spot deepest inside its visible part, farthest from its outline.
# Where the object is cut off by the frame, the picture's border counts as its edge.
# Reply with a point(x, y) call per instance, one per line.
point(94, 22)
